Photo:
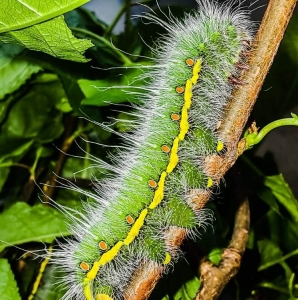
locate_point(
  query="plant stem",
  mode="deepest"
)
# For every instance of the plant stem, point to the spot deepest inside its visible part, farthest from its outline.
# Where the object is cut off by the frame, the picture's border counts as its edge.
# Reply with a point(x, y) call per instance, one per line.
point(103, 40)
point(277, 261)
point(254, 138)
point(121, 11)
point(270, 285)
point(127, 15)
point(12, 164)
point(125, 7)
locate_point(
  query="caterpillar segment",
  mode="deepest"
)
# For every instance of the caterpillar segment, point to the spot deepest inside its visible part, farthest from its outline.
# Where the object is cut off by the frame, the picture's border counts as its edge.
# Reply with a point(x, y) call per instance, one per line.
point(157, 181)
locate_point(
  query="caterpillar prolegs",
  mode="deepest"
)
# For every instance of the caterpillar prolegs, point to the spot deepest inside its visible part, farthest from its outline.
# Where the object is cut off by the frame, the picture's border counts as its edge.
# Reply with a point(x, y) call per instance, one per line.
point(157, 180)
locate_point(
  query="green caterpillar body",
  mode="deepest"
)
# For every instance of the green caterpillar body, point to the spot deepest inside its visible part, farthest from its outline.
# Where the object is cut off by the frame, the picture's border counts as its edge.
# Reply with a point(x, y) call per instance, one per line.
point(157, 179)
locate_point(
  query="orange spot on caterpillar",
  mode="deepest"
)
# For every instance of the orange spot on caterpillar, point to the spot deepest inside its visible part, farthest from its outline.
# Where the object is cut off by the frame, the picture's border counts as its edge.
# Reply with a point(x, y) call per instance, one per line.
point(102, 245)
point(84, 266)
point(190, 62)
point(180, 89)
point(175, 117)
point(165, 148)
point(152, 183)
point(129, 219)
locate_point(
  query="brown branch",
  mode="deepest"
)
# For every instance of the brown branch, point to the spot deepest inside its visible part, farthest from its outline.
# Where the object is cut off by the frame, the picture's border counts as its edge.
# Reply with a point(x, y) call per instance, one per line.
point(30, 185)
point(266, 43)
point(265, 46)
point(49, 187)
point(214, 278)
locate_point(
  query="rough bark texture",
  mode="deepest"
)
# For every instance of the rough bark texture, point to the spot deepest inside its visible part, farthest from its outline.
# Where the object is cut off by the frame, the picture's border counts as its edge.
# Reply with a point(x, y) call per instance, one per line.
point(215, 278)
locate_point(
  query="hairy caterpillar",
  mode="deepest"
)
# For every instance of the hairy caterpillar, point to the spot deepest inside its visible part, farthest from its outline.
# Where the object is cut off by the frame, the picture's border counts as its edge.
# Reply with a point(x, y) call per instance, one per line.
point(158, 179)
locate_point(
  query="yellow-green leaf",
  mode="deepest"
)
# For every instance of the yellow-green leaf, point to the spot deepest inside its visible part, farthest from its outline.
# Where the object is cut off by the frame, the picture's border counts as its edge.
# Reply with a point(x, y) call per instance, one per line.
point(37, 223)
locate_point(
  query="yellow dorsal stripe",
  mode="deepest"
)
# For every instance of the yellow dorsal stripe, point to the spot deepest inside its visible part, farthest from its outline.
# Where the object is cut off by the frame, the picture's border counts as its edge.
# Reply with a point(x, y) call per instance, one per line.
point(158, 195)
point(184, 125)
point(174, 156)
point(103, 297)
point(188, 94)
point(87, 289)
point(105, 258)
point(109, 255)
point(135, 229)
point(196, 70)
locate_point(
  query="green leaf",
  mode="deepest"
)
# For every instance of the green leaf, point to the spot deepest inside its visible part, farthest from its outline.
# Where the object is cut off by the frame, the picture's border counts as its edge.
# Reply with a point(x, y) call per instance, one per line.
point(84, 18)
point(64, 106)
point(11, 147)
point(283, 194)
point(111, 90)
point(269, 252)
point(78, 168)
point(67, 71)
point(103, 51)
point(84, 24)
point(17, 14)
point(4, 171)
point(267, 196)
point(123, 122)
point(294, 116)
point(189, 290)
point(290, 40)
point(49, 279)
point(14, 71)
point(182, 284)
point(8, 286)
point(215, 256)
point(70, 199)
point(39, 223)
point(52, 37)
point(33, 117)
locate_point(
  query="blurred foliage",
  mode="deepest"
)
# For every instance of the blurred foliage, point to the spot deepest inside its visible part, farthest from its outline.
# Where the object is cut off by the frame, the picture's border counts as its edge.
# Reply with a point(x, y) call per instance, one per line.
point(38, 25)
point(8, 287)
point(46, 104)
